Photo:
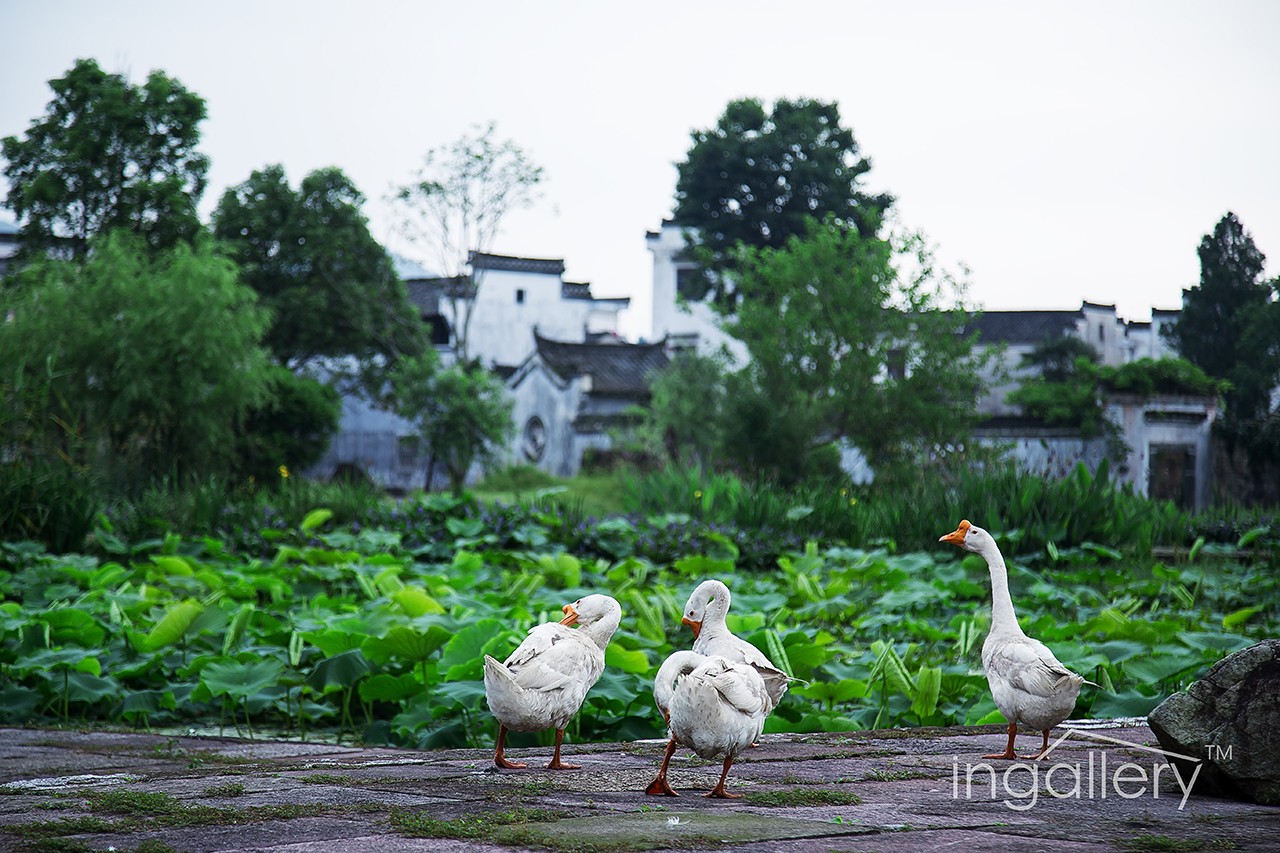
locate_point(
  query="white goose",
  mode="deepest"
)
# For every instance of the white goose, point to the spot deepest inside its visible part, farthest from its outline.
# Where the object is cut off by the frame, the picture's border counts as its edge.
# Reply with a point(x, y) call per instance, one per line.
point(1027, 682)
point(543, 682)
point(713, 706)
point(704, 612)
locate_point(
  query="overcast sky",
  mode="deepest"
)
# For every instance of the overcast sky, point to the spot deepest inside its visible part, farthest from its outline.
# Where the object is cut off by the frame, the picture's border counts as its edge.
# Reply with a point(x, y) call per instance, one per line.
point(1063, 151)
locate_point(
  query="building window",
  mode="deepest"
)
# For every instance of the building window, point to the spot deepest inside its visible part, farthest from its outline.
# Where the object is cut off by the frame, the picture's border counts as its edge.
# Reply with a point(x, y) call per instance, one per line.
point(692, 284)
point(534, 440)
point(1102, 333)
point(519, 295)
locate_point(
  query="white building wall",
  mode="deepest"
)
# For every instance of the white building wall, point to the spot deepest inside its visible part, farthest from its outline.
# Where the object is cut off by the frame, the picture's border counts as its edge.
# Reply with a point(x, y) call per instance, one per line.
point(691, 320)
point(509, 305)
point(540, 394)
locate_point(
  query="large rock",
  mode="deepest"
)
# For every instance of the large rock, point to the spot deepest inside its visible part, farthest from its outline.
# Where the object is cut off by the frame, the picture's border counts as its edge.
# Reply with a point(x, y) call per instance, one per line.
point(1230, 718)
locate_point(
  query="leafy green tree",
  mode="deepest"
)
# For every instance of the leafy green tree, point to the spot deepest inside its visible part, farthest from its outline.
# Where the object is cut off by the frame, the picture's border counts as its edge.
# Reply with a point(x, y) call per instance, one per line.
point(462, 413)
point(331, 287)
point(758, 176)
point(145, 363)
point(683, 420)
point(290, 427)
point(456, 204)
point(843, 342)
point(1055, 359)
point(1230, 324)
point(108, 154)
point(1076, 397)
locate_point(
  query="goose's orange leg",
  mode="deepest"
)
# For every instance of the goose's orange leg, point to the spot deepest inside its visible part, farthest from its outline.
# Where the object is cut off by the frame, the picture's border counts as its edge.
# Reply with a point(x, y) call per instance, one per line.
point(718, 790)
point(659, 786)
point(498, 759)
point(1008, 749)
point(556, 763)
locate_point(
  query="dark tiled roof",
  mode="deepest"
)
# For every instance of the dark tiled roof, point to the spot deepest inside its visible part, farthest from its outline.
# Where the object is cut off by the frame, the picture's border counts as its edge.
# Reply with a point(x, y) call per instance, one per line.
point(615, 368)
point(506, 263)
point(575, 290)
point(425, 293)
point(1023, 327)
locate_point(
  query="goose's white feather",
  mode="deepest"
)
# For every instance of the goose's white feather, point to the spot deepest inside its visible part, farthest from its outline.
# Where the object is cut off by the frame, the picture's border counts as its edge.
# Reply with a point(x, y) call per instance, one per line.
point(717, 708)
point(1029, 685)
point(545, 680)
point(709, 605)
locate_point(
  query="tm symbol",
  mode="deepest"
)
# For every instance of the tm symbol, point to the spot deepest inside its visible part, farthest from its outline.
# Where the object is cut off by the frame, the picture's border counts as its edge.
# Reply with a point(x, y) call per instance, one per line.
point(1218, 753)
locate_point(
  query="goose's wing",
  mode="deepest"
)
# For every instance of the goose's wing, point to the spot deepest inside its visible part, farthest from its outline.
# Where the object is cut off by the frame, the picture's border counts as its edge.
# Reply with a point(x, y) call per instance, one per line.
point(740, 686)
point(550, 657)
point(1029, 666)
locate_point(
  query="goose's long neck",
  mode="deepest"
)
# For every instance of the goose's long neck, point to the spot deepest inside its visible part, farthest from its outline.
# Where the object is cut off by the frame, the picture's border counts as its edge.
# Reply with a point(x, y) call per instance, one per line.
point(717, 609)
point(601, 630)
point(1003, 619)
point(664, 685)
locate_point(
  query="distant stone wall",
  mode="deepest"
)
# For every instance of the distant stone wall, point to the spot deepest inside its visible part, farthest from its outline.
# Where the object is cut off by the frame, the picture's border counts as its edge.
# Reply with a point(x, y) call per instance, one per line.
point(1046, 452)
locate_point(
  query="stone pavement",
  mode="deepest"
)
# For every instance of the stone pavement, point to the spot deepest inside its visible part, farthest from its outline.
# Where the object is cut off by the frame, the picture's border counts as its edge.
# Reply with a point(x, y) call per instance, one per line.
point(893, 790)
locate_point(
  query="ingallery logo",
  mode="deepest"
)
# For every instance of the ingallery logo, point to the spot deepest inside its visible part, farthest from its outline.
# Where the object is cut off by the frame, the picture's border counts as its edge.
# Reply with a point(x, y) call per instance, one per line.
point(1096, 776)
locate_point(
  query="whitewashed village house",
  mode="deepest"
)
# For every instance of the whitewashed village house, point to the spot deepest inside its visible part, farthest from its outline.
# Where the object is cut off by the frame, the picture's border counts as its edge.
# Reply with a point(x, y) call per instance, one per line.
point(571, 376)
point(1168, 438)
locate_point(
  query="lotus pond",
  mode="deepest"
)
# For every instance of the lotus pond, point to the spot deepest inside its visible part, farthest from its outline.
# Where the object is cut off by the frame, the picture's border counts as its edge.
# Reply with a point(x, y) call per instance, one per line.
point(377, 632)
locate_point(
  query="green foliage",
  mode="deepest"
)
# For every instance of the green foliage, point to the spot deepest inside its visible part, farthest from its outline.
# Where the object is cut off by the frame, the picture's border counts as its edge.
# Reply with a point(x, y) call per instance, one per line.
point(292, 426)
point(1080, 508)
point(47, 500)
point(686, 415)
point(846, 346)
point(1075, 397)
point(380, 633)
point(756, 178)
point(462, 412)
point(1228, 323)
point(108, 154)
point(149, 361)
point(1174, 376)
point(308, 253)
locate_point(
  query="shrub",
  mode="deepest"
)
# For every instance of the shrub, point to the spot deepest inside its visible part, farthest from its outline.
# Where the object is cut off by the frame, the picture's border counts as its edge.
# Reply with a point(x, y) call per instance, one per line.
point(291, 427)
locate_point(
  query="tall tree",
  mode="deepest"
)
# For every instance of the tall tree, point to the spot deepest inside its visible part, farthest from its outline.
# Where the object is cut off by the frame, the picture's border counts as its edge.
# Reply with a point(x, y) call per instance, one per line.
point(151, 360)
point(462, 413)
point(331, 287)
point(1229, 323)
point(841, 339)
point(108, 154)
point(456, 204)
point(757, 176)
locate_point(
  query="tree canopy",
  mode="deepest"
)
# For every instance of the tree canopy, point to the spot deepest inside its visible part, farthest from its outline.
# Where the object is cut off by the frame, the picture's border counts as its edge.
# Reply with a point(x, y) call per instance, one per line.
point(462, 412)
point(134, 365)
point(332, 289)
point(850, 338)
point(758, 176)
point(108, 154)
point(1230, 323)
point(845, 334)
point(456, 204)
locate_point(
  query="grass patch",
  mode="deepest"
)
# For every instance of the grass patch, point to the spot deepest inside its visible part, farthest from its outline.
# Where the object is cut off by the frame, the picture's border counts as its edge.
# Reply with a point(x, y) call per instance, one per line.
point(419, 824)
point(136, 803)
point(329, 779)
point(82, 825)
point(596, 495)
point(806, 797)
point(894, 774)
point(1180, 845)
point(228, 789)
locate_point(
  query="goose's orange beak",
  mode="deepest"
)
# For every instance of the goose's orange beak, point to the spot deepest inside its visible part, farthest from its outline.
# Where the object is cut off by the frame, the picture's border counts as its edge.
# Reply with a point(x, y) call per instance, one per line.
point(695, 626)
point(570, 615)
point(956, 537)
